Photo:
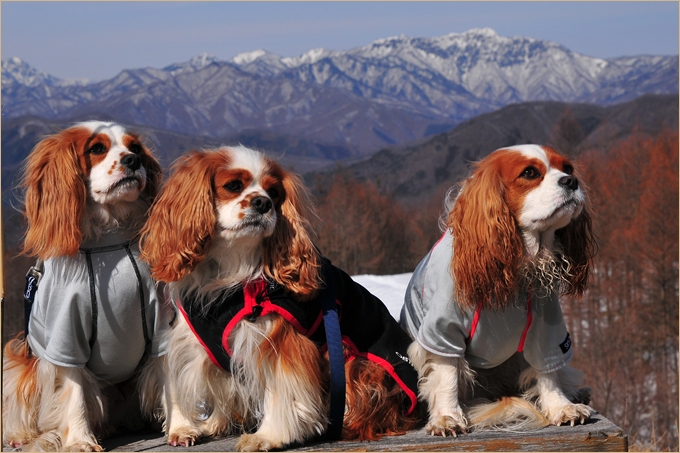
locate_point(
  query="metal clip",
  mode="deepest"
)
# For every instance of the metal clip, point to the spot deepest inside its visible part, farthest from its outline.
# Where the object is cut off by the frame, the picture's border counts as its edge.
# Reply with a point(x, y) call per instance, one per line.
point(257, 311)
point(36, 271)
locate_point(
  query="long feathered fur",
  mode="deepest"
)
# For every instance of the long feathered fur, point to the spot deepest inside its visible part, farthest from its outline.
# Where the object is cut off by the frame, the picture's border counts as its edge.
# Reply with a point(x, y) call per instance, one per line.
point(188, 198)
point(289, 256)
point(487, 262)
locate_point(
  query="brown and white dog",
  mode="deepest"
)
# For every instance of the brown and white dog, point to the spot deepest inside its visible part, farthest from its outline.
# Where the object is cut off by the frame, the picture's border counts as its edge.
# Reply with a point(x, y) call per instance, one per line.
point(96, 320)
point(229, 232)
point(483, 304)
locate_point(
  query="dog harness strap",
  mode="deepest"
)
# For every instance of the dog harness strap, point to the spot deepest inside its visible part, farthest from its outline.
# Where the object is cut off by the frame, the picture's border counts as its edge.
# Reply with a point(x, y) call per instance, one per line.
point(475, 322)
point(93, 293)
point(140, 286)
point(335, 357)
point(93, 286)
point(520, 348)
point(93, 297)
point(33, 277)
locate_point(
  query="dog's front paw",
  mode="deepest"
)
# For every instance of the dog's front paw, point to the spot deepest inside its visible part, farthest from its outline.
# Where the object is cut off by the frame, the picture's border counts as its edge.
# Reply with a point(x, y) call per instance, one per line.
point(16, 441)
point(447, 425)
point(255, 442)
point(47, 441)
point(569, 414)
point(183, 437)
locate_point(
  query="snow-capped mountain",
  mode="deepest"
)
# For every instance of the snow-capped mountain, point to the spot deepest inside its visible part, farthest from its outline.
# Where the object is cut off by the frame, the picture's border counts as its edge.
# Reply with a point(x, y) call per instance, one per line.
point(197, 63)
point(390, 91)
point(437, 72)
point(17, 72)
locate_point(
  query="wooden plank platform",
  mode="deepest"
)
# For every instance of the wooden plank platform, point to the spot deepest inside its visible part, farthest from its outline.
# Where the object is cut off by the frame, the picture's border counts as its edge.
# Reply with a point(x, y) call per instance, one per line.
point(598, 434)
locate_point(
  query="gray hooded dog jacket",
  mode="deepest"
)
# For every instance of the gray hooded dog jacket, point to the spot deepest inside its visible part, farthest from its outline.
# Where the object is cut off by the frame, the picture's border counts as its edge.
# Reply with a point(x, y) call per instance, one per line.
point(485, 338)
point(90, 308)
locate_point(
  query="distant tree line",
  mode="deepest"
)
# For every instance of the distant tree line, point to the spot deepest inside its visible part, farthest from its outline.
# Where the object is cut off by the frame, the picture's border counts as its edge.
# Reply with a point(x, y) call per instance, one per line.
point(626, 326)
point(364, 232)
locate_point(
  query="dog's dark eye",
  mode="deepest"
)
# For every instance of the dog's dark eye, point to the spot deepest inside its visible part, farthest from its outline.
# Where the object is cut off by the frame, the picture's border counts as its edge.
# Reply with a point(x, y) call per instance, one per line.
point(273, 193)
point(235, 186)
point(530, 173)
point(568, 169)
point(97, 148)
point(135, 148)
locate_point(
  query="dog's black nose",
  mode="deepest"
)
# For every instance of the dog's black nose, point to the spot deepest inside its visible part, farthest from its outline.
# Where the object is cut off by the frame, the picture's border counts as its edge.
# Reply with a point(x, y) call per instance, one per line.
point(131, 161)
point(261, 204)
point(570, 182)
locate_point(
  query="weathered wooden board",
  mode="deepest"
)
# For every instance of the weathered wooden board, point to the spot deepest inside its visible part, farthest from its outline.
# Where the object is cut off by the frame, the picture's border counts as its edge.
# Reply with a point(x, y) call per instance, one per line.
point(598, 434)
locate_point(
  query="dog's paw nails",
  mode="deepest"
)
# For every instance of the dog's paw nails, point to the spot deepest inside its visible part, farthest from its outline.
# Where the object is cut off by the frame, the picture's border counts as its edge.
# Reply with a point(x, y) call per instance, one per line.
point(446, 425)
point(570, 414)
point(185, 438)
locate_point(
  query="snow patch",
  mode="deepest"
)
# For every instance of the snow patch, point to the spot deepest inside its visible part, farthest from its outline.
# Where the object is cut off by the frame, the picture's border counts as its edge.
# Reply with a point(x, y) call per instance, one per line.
point(388, 288)
point(249, 57)
point(309, 57)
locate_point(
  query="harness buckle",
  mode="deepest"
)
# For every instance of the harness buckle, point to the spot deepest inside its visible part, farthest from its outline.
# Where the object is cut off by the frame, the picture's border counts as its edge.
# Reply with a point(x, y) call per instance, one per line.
point(257, 311)
point(35, 272)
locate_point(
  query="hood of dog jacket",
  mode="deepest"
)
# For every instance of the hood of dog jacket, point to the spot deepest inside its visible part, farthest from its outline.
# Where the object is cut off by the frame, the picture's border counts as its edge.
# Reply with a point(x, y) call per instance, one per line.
point(368, 329)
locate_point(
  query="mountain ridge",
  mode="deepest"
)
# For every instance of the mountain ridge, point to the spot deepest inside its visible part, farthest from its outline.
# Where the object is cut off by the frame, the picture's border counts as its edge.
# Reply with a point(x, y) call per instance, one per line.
point(391, 91)
point(416, 173)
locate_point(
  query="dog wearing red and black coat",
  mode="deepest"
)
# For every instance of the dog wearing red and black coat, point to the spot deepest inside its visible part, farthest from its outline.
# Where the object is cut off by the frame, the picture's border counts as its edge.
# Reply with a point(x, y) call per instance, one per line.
point(229, 233)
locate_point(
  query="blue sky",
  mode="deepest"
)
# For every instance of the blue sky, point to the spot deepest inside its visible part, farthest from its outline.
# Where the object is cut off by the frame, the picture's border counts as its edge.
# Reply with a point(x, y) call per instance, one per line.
point(96, 40)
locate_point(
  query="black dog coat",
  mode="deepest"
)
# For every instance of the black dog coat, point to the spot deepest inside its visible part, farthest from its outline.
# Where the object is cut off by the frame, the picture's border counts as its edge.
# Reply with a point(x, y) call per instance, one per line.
point(368, 329)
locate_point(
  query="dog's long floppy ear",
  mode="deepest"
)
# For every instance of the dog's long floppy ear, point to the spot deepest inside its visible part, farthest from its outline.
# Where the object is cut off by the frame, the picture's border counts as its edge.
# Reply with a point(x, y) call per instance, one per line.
point(579, 247)
point(54, 199)
point(154, 173)
point(487, 245)
point(182, 220)
point(289, 255)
